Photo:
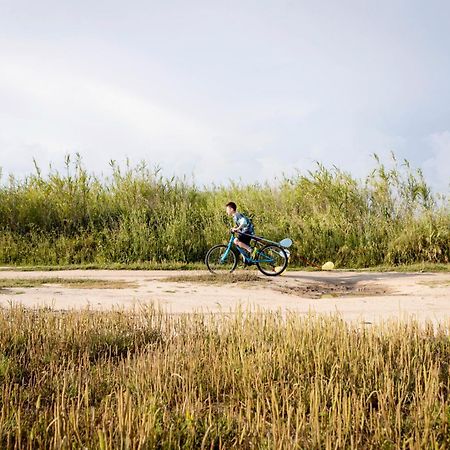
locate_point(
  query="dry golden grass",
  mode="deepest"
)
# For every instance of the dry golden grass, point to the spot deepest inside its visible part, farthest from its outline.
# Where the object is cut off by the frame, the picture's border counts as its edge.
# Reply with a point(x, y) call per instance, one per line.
point(151, 380)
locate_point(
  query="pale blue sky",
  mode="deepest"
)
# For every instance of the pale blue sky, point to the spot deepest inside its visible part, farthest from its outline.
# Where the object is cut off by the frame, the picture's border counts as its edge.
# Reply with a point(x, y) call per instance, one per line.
point(226, 89)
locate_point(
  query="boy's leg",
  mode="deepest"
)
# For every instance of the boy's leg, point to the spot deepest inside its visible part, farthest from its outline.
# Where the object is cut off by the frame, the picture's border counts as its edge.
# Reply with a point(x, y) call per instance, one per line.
point(242, 245)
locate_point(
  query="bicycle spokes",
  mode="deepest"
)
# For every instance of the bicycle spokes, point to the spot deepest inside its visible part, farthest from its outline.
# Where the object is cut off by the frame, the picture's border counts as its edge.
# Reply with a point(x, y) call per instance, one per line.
point(220, 259)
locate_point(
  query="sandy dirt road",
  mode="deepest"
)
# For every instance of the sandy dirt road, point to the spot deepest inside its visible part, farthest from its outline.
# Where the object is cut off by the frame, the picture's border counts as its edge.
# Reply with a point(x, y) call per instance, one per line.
point(361, 296)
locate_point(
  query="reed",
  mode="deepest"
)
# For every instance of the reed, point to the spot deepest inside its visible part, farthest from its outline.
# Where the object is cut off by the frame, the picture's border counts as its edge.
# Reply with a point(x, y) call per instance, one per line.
point(136, 215)
point(145, 379)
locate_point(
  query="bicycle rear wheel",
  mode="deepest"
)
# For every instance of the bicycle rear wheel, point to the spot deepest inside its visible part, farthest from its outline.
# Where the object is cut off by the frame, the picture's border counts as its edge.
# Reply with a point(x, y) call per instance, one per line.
point(219, 261)
point(272, 260)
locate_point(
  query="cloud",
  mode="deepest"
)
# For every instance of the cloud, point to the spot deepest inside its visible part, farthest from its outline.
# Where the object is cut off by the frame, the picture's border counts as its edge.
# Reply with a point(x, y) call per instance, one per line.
point(59, 92)
point(224, 91)
point(49, 111)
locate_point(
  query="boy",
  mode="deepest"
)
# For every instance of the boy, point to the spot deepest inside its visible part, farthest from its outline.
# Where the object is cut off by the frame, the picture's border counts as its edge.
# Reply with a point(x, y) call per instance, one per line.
point(243, 225)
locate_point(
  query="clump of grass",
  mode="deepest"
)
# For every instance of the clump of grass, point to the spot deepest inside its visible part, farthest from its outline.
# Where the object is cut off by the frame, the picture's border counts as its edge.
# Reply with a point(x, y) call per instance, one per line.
point(75, 283)
point(151, 380)
point(226, 278)
point(436, 283)
point(136, 216)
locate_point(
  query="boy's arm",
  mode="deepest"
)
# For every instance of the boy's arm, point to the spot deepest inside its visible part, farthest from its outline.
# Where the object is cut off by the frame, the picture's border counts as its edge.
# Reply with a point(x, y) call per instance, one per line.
point(242, 223)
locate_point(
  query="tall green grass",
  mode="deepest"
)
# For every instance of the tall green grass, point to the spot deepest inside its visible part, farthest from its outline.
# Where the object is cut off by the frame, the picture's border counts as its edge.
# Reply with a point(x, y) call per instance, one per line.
point(137, 215)
point(151, 380)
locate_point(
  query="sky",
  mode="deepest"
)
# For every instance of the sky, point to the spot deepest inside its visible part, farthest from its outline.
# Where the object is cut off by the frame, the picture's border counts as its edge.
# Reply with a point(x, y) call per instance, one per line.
point(226, 90)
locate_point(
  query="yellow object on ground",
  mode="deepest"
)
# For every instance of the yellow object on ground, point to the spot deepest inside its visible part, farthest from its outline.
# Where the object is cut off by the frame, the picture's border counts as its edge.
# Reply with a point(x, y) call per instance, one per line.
point(328, 266)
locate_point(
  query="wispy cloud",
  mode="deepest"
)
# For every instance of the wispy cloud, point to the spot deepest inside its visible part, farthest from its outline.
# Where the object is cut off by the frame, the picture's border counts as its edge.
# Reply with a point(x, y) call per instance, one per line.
point(225, 90)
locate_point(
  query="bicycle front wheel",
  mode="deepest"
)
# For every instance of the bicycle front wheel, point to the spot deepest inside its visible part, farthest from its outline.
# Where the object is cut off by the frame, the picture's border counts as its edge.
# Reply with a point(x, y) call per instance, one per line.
point(272, 260)
point(220, 259)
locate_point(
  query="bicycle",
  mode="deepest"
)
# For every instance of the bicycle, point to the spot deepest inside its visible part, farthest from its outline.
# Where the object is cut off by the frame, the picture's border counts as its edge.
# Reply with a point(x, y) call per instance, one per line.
point(271, 259)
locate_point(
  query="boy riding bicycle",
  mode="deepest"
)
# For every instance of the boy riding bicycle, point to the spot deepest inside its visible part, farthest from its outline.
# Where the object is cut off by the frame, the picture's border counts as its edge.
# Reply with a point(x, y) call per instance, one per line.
point(244, 228)
point(270, 257)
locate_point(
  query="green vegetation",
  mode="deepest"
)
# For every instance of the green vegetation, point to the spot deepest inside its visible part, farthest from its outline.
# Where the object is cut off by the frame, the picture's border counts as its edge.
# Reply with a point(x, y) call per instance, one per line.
point(136, 216)
point(143, 265)
point(150, 380)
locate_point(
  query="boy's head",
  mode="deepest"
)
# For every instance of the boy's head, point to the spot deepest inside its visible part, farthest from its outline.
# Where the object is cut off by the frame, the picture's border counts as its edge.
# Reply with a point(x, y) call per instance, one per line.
point(231, 208)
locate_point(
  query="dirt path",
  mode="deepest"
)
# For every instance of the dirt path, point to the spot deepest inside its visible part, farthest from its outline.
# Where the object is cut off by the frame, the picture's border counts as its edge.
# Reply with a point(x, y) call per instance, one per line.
point(365, 296)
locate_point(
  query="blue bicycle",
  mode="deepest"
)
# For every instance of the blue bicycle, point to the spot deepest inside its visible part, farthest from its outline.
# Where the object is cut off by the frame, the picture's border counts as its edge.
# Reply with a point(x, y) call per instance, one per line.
point(271, 257)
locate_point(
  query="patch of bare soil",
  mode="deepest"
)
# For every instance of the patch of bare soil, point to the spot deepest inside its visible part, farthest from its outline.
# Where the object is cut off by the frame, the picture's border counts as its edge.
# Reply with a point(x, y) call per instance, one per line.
point(367, 296)
point(314, 290)
point(331, 290)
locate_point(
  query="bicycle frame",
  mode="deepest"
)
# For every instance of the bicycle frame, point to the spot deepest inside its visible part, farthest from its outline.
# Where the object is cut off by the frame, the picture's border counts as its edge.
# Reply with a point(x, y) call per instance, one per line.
point(243, 253)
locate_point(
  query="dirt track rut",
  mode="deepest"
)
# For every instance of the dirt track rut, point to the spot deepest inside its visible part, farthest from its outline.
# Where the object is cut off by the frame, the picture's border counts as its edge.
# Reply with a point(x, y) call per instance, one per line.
point(365, 296)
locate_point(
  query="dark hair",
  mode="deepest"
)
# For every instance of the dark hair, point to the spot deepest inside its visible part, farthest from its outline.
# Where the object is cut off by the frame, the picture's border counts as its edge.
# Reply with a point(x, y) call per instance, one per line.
point(232, 205)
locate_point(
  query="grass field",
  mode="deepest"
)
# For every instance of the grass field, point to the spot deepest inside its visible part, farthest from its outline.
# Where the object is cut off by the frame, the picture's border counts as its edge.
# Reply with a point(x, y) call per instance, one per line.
point(262, 380)
point(136, 217)
point(150, 380)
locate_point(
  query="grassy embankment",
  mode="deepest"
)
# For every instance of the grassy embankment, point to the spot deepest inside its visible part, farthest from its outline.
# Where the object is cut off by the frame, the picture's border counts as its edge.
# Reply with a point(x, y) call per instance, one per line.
point(149, 380)
point(136, 218)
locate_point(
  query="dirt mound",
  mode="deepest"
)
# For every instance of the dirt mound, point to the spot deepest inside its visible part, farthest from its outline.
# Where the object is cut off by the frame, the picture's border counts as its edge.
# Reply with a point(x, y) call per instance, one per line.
point(330, 290)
